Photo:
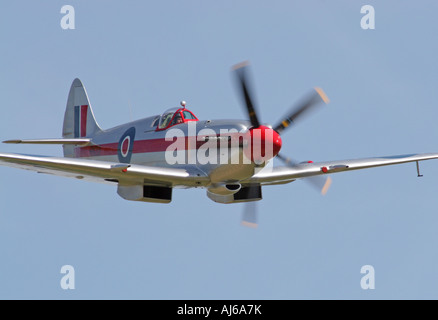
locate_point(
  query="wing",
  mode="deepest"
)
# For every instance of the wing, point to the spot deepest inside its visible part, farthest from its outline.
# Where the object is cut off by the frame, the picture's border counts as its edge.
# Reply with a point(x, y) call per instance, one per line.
point(102, 171)
point(280, 175)
point(79, 142)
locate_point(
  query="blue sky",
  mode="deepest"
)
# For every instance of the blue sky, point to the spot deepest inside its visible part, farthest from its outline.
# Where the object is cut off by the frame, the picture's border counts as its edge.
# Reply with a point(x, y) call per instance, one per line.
point(138, 58)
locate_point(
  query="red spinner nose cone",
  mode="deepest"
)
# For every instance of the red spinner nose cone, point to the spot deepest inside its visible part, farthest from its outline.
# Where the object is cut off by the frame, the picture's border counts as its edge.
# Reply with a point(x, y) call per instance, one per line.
point(276, 142)
point(265, 144)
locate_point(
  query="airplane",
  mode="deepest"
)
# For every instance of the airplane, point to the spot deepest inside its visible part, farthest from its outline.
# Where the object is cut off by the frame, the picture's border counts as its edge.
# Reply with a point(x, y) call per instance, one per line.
point(148, 158)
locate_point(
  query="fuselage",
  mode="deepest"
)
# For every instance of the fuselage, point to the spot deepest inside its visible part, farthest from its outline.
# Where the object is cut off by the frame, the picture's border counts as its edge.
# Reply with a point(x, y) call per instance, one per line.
point(139, 142)
point(225, 150)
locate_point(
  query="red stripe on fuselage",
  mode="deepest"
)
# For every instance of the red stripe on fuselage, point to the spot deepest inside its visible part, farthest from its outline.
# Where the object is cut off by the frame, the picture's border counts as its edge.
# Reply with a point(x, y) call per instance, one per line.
point(84, 112)
point(140, 146)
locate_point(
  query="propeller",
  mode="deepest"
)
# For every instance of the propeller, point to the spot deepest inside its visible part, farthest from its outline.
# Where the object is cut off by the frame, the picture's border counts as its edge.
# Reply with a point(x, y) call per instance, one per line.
point(306, 105)
point(310, 102)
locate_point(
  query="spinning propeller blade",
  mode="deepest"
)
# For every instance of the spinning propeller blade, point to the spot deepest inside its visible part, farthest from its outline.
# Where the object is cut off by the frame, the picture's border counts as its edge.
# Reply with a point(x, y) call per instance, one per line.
point(306, 105)
point(241, 70)
point(249, 218)
point(320, 183)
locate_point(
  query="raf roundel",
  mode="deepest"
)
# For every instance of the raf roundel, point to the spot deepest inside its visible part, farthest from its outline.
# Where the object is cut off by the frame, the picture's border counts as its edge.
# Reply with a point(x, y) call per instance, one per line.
point(126, 144)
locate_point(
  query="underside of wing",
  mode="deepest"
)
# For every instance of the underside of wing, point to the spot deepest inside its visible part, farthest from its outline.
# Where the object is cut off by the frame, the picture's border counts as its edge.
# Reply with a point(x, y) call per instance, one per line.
point(280, 175)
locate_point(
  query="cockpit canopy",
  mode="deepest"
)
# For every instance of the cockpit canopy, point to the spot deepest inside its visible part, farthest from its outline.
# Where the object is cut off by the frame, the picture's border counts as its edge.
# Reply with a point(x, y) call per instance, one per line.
point(175, 116)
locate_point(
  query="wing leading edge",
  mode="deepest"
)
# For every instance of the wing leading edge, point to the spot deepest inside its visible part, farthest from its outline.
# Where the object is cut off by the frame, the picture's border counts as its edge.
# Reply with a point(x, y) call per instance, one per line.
point(102, 171)
point(280, 175)
point(80, 142)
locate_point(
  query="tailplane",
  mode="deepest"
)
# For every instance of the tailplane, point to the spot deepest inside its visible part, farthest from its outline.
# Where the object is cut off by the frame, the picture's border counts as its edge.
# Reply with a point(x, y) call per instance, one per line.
point(79, 123)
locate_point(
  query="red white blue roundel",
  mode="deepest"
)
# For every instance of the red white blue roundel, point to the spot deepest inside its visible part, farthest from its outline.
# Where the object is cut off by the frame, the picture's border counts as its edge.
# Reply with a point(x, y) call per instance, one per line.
point(126, 144)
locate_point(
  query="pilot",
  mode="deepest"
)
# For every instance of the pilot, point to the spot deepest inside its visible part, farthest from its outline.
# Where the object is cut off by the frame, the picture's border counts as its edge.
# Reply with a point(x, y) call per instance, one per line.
point(178, 119)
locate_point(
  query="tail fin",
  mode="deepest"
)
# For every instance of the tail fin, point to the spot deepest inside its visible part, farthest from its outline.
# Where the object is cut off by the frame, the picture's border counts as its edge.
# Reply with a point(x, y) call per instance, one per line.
point(79, 121)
